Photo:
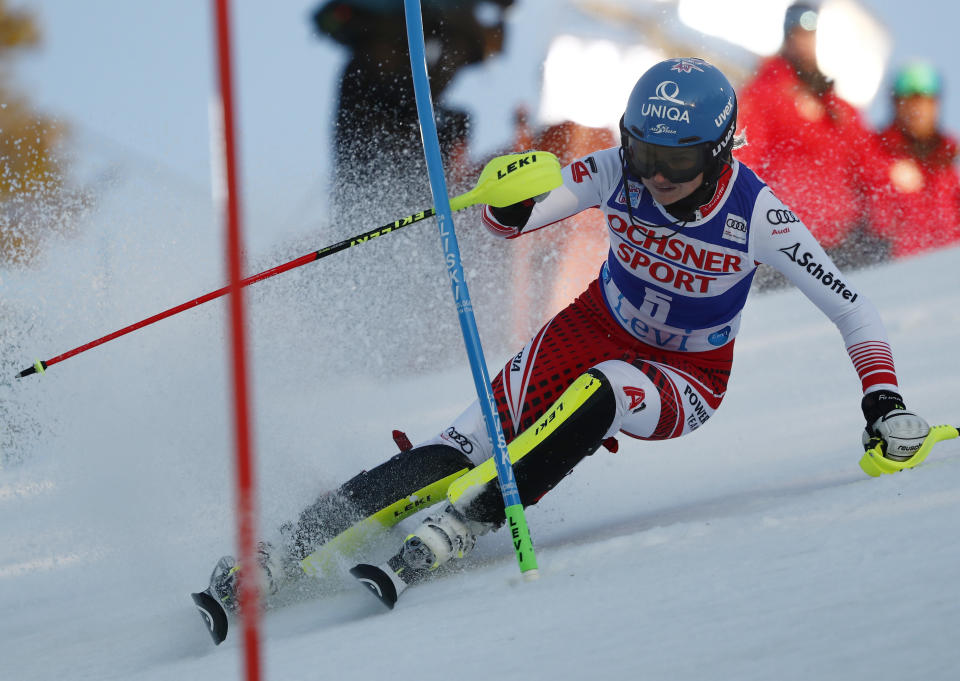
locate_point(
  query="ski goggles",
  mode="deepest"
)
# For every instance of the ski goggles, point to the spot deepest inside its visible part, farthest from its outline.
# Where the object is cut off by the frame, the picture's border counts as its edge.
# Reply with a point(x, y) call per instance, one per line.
point(677, 164)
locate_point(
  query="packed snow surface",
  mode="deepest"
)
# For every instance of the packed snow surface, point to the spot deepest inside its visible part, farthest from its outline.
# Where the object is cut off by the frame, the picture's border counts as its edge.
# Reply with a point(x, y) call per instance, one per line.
point(754, 548)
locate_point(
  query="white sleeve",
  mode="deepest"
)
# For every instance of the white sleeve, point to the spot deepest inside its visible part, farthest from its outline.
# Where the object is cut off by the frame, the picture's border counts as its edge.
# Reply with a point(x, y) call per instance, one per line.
point(585, 182)
point(782, 241)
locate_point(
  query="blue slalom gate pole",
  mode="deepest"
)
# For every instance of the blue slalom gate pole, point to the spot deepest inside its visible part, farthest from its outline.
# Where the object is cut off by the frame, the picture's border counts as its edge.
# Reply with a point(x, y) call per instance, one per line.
point(513, 507)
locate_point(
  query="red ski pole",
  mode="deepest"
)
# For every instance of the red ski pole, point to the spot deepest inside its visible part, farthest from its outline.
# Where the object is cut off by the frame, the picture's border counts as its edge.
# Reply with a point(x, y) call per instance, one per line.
point(40, 366)
point(505, 180)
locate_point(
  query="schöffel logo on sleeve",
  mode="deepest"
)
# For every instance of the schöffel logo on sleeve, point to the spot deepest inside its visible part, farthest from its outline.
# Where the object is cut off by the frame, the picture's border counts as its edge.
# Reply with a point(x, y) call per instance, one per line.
point(825, 277)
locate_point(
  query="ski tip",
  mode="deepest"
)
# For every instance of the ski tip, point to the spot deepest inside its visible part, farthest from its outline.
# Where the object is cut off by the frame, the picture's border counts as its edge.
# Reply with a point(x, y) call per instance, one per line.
point(213, 615)
point(377, 582)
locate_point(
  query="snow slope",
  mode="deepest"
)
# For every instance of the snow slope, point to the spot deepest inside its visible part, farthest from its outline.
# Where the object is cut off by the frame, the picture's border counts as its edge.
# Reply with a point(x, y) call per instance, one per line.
point(753, 549)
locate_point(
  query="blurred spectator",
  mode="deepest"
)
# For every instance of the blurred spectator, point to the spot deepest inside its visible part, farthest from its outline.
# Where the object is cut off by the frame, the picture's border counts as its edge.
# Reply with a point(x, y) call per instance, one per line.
point(379, 172)
point(576, 251)
point(809, 144)
point(377, 136)
point(916, 205)
point(31, 182)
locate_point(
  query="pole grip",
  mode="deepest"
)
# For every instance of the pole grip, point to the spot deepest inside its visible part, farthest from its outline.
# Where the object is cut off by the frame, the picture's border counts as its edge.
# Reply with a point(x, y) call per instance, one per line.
point(875, 464)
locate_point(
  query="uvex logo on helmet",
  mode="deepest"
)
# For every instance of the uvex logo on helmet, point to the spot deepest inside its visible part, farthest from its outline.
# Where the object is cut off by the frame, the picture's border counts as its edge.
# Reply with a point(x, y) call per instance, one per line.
point(722, 144)
point(725, 114)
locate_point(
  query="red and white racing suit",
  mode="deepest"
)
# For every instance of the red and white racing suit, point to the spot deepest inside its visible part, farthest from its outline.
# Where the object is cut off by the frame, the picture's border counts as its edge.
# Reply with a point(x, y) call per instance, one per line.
point(661, 318)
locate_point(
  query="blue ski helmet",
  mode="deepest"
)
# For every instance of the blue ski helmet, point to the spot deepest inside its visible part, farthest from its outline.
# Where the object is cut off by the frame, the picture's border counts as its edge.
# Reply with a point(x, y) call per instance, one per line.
point(680, 120)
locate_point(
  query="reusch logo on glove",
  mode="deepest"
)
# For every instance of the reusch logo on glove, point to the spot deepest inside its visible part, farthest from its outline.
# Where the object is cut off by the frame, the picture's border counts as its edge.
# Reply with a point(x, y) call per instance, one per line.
point(910, 448)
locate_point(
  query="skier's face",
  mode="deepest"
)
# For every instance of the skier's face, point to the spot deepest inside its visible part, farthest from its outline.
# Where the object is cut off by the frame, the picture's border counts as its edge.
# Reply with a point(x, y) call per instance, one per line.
point(666, 192)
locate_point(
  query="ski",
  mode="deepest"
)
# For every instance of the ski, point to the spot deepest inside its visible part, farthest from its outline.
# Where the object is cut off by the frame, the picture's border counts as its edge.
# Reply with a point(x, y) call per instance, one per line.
point(375, 578)
point(213, 615)
point(378, 581)
point(343, 524)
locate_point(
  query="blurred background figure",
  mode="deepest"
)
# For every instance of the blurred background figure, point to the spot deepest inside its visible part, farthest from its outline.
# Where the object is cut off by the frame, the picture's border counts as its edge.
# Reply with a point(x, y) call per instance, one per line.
point(810, 145)
point(377, 136)
point(379, 173)
point(915, 206)
point(576, 251)
point(31, 180)
point(34, 203)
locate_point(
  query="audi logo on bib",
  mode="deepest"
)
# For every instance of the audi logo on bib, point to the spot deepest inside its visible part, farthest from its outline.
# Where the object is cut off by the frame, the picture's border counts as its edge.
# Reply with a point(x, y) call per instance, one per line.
point(781, 217)
point(735, 229)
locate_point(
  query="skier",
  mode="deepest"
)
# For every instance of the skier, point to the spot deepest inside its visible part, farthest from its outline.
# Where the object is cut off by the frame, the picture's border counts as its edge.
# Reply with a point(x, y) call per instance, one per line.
point(645, 350)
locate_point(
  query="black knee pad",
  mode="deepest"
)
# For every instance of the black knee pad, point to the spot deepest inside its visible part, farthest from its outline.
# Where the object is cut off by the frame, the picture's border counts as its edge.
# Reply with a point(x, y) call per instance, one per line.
point(410, 477)
point(571, 429)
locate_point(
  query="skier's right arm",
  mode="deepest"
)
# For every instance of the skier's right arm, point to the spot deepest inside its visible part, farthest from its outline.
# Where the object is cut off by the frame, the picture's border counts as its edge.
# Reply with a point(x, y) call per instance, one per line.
point(583, 186)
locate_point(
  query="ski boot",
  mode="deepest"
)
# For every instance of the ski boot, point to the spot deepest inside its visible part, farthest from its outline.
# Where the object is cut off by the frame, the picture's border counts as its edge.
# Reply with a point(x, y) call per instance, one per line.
point(225, 578)
point(438, 540)
point(221, 597)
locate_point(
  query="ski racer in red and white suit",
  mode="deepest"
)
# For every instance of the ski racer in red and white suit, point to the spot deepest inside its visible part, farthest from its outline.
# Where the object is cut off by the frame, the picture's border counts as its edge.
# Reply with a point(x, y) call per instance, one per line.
point(670, 298)
point(646, 350)
point(688, 225)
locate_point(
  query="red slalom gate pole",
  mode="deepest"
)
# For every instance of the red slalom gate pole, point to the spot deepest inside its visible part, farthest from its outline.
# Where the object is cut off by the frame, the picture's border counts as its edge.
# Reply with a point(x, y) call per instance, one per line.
point(245, 493)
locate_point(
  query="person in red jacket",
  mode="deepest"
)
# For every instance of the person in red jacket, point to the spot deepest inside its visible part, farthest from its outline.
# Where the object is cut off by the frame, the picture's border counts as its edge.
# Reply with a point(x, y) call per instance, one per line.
point(810, 144)
point(916, 205)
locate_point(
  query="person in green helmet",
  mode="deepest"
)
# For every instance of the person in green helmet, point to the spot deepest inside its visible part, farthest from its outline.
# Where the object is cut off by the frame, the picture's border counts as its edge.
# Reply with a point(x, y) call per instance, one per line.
point(915, 205)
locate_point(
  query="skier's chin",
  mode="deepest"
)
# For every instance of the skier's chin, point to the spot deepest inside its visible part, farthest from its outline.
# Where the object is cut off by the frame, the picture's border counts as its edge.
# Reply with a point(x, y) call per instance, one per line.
point(667, 193)
point(667, 190)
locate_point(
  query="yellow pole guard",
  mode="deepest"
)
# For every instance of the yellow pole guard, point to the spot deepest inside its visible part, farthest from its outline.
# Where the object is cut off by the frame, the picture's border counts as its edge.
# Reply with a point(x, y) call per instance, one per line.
point(325, 561)
point(571, 400)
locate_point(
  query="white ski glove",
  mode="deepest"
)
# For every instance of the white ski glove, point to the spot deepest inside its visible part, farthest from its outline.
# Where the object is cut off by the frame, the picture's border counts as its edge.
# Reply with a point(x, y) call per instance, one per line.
point(898, 432)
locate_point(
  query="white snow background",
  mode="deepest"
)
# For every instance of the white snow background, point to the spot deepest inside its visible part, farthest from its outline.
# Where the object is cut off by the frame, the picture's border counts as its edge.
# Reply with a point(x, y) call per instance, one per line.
point(753, 549)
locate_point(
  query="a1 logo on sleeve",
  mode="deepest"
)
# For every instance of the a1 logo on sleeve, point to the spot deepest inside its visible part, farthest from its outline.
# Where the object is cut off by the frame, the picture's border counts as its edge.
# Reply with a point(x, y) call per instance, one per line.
point(735, 229)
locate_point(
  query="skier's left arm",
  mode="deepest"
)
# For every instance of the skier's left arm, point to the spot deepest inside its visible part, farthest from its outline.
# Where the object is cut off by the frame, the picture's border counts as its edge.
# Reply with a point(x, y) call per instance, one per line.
point(782, 241)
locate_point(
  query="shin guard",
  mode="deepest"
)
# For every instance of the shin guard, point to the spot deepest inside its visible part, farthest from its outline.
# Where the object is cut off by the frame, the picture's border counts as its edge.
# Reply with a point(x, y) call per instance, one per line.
point(342, 521)
point(571, 429)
